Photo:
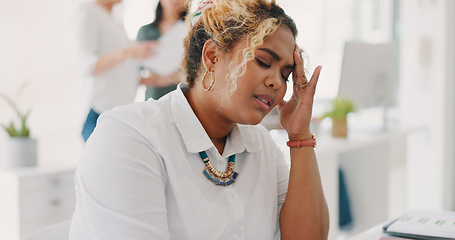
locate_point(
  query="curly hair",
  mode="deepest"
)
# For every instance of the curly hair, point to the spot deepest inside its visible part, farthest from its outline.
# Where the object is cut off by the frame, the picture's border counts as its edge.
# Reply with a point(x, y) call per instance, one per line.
point(227, 22)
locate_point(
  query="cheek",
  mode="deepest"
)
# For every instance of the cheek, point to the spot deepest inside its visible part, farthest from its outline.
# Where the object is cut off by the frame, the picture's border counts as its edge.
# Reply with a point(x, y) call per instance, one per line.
point(281, 94)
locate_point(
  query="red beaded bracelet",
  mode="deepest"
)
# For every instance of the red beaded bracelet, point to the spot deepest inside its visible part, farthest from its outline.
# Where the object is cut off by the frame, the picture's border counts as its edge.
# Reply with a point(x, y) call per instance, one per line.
point(303, 143)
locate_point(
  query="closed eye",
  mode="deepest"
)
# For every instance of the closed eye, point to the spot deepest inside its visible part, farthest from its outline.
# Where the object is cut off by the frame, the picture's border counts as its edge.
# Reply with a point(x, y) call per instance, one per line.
point(285, 78)
point(262, 64)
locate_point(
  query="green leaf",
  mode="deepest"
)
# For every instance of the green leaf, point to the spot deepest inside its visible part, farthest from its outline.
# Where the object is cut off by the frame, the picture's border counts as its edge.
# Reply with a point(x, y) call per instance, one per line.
point(23, 130)
point(340, 108)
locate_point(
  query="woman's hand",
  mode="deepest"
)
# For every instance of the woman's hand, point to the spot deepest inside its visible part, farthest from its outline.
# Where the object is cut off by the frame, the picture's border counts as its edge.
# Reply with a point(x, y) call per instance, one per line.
point(295, 115)
point(142, 50)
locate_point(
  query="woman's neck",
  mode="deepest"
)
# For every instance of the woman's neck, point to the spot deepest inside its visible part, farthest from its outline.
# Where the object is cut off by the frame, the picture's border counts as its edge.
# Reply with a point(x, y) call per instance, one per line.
point(168, 20)
point(106, 5)
point(216, 128)
point(170, 16)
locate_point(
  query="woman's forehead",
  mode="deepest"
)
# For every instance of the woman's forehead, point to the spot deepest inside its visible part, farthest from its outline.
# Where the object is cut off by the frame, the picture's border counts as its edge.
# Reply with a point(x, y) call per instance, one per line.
point(281, 42)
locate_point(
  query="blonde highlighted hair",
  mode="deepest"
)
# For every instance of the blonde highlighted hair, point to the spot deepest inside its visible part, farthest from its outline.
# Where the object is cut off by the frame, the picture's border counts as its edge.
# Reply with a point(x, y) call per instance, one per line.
point(227, 22)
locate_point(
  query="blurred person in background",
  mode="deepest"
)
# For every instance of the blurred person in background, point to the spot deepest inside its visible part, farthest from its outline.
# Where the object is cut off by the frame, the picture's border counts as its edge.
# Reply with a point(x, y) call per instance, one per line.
point(108, 60)
point(167, 14)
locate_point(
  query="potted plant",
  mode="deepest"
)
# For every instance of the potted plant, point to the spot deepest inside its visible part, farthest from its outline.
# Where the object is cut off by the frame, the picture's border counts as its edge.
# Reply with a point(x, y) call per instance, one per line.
point(338, 112)
point(20, 148)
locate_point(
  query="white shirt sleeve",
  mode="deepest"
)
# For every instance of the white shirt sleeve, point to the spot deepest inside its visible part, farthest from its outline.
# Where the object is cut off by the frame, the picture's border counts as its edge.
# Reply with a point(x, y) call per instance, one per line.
point(282, 171)
point(87, 35)
point(122, 181)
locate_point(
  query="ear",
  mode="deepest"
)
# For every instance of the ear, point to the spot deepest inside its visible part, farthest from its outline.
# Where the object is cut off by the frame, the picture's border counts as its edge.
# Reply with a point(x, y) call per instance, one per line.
point(210, 53)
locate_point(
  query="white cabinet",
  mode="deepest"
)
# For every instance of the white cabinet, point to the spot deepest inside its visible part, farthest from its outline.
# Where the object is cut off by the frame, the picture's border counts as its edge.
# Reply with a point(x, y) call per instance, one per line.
point(32, 198)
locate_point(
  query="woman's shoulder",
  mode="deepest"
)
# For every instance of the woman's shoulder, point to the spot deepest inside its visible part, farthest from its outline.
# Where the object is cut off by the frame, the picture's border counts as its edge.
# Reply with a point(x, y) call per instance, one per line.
point(140, 114)
point(148, 32)
point(90, 11)
point(147, 27)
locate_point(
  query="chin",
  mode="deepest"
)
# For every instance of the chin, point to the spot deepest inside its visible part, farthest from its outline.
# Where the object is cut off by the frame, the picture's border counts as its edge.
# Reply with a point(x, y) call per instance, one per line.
point(253, 121)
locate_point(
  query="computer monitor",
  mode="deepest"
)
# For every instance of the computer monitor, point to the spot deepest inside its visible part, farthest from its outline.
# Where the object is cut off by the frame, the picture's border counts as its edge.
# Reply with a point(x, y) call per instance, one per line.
point(368, 75)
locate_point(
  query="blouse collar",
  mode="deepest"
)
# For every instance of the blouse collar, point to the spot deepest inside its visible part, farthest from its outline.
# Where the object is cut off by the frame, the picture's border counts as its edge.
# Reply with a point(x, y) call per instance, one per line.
point(193, 134)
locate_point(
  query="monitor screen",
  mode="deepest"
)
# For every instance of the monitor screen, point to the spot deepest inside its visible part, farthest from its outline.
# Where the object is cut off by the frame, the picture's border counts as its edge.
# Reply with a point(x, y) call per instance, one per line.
point(368, 74)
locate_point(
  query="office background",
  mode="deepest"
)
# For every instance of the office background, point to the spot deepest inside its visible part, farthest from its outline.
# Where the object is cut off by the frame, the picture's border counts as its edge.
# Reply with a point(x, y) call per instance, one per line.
point(36, 47)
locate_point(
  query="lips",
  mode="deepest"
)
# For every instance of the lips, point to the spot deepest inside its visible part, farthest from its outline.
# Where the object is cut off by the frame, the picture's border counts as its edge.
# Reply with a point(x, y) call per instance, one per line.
point(265, 101)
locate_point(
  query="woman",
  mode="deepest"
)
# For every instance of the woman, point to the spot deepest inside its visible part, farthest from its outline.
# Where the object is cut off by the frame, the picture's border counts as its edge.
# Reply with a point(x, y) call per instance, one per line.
point(167, 14)
point(107, 59)
point(154, 170)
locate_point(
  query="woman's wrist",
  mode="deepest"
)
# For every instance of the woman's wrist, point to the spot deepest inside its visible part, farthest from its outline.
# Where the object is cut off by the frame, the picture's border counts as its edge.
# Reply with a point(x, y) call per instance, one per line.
point(300, 136)
point(311, 142)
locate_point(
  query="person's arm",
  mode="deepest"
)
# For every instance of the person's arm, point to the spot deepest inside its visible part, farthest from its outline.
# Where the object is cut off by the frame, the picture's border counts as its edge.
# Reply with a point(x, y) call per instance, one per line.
point(155, 80)
point(87, 34)
point(304, 214)
point(141, 50)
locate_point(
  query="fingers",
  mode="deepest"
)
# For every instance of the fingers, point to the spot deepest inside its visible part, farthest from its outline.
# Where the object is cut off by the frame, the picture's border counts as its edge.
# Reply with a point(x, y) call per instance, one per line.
point(148, 48)
point(299, 77)
point(315, 77)
point(143, 50)
point(300, 80)
point(281, 103)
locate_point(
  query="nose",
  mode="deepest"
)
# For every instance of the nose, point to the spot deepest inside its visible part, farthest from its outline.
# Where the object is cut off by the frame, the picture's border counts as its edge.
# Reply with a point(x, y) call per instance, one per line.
point(275, 81)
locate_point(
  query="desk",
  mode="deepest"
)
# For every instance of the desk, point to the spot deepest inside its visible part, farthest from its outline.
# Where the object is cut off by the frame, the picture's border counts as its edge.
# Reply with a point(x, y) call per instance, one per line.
point(373, 162)
point(374, 233)
point(415, 224)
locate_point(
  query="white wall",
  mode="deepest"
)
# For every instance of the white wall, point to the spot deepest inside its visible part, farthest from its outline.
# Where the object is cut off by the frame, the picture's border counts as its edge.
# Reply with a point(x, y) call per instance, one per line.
point(425, 101)
point(36, 43)
point(449, 174)
point(37, 47)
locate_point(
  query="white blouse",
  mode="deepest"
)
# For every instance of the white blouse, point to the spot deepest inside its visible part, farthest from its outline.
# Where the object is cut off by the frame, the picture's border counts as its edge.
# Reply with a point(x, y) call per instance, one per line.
point(140, 177)
point(98, 34)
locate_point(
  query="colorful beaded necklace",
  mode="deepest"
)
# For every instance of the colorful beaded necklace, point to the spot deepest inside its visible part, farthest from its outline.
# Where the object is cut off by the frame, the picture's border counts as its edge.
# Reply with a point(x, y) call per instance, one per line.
point(216, 177)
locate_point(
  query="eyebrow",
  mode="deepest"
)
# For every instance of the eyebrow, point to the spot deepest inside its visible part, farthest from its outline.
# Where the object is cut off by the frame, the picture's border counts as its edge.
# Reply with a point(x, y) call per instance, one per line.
point(276, 57)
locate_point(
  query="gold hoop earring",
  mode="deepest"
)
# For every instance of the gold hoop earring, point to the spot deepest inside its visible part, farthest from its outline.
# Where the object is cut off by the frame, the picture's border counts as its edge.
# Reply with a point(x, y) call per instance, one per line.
point(203, 79)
